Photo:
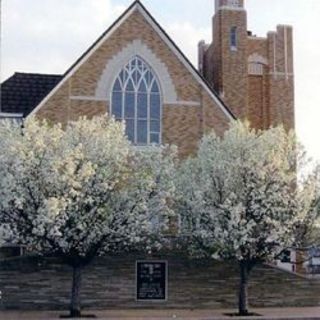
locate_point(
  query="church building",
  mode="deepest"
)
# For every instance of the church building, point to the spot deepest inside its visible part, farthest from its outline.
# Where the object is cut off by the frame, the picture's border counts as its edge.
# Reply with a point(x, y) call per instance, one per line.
point(135, 72)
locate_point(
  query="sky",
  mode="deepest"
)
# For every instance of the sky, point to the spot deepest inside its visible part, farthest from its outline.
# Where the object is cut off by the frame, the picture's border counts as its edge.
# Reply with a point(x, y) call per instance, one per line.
point(47, 36)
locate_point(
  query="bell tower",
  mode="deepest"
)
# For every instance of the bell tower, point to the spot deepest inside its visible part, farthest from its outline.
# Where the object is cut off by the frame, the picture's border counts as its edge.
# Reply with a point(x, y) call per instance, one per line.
point(228, 57)
point(254, 76)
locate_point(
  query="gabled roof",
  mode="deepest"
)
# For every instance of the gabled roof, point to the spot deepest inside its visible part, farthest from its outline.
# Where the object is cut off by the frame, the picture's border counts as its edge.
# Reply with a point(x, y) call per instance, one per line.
point(137, 5)
point(22, 92)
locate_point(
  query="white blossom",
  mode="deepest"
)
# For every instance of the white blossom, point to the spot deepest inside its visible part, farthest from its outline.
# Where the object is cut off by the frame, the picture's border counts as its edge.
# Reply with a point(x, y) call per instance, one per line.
point(239, 197)
point(82, 190)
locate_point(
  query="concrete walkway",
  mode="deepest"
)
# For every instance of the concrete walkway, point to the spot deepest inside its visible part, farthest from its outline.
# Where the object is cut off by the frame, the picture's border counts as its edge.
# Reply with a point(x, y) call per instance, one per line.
point(266, 314)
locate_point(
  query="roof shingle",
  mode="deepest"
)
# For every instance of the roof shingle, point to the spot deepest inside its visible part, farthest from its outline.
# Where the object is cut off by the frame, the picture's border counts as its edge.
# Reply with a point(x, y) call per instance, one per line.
point(22, 92)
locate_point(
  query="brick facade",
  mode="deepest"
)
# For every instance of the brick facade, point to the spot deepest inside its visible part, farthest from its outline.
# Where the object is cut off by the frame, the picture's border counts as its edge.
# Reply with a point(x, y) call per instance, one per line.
point(255, 78)
point(183, 121)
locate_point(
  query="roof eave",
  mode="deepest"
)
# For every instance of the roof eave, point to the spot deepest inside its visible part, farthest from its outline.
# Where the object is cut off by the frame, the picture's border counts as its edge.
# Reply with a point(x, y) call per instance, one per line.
point(10, 115)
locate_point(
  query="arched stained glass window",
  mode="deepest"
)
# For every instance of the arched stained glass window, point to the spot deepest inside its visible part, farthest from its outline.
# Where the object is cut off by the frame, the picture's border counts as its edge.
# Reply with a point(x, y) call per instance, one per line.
point(136, 99)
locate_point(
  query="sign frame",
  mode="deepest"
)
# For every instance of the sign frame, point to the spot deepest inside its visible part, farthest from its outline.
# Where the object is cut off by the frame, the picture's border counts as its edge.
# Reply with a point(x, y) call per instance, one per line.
point(165, 262)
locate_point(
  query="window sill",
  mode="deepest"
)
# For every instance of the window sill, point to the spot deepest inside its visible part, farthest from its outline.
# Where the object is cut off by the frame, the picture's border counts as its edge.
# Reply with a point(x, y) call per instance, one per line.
point(148, 147)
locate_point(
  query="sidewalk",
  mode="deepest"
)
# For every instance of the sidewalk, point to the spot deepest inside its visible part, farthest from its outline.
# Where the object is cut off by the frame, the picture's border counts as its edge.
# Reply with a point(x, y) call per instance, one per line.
point(266, 314)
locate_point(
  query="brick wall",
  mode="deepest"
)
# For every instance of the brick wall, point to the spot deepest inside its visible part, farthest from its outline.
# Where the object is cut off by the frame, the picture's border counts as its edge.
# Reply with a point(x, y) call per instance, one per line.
point(281, 79)
point(265, 99)
point(224, 68)
point(36, 283)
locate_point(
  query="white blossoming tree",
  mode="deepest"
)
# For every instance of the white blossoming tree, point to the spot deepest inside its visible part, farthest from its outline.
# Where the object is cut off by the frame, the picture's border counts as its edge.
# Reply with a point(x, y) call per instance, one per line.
point(310, 233)
point(2, 235)
point(81, 191)
point(239, 198)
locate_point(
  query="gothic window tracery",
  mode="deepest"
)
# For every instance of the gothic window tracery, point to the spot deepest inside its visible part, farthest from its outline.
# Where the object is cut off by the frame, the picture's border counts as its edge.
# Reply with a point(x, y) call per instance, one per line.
point(136, 99)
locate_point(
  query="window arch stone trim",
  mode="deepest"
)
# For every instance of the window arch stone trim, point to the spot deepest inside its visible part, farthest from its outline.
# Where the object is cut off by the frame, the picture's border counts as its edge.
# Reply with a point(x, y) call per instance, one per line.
point(136, 48)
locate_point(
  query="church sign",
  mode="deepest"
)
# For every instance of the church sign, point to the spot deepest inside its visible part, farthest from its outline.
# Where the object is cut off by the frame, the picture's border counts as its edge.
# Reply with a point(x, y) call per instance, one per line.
point(151, 277)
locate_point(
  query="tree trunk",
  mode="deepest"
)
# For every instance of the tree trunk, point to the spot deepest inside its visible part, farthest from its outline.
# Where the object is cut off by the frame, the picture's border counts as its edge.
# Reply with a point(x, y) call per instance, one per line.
point(75, 306)
point(243, 290)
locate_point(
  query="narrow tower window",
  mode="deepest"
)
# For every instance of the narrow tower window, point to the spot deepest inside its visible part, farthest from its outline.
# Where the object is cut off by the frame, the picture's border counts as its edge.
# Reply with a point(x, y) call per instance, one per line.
point(234, 3)
point(233, 38)
point(136, 99)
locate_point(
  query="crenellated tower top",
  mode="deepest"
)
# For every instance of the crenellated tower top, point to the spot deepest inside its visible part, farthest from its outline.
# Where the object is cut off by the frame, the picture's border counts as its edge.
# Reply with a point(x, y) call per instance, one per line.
point(229, 4)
